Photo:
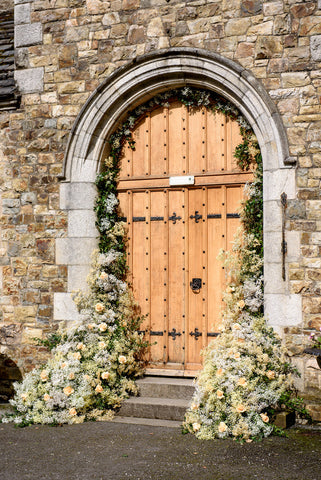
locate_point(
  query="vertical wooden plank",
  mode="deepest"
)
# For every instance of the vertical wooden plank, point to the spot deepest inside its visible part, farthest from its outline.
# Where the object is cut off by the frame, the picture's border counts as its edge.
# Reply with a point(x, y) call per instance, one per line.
point(215, 145)
point(205, 271)
point(139, 136)
point(216, 242)
point(158, 245)
point(158, 141)
point(176, 263)
point(196, 140)
point(196, 263)
point(177, 121)
point(234, 195)
point(147, 148)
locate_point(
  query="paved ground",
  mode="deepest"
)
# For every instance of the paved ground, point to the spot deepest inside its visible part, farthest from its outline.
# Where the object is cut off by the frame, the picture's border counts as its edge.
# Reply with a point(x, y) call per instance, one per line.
point(115, 451)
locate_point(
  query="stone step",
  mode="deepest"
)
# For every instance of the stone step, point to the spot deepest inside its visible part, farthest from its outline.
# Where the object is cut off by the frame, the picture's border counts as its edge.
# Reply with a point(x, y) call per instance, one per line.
point(149, 422)
point(166, 387)
point(151, 407)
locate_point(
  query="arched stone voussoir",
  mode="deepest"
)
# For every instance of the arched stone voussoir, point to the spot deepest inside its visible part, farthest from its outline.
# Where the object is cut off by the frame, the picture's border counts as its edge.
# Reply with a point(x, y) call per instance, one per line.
point(144, 77)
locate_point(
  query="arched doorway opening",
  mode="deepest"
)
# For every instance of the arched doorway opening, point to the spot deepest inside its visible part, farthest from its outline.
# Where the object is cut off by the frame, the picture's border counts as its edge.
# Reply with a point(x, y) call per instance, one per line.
point(180, 191)
point(133, 85)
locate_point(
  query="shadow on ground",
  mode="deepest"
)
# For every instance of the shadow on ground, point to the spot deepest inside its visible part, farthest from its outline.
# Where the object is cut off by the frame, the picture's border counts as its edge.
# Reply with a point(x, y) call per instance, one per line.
point(115, 451)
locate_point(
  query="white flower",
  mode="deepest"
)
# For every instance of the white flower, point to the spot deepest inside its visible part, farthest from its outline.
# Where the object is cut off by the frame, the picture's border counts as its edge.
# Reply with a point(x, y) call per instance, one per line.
point(122, 359)
point(103, 326)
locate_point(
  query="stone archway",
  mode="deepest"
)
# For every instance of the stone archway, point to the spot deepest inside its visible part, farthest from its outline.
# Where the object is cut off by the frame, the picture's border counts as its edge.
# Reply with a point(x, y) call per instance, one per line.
point(134, 84)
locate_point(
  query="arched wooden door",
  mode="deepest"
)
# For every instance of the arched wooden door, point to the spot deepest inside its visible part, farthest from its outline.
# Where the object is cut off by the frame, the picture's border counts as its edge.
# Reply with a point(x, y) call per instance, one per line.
point(180, 193)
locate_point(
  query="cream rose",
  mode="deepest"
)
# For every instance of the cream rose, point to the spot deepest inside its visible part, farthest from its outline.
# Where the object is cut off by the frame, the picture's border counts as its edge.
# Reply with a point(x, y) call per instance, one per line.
point(219, 394)
point(103, 276)
point(68, 390)
point(24, 396)
point(270, 374)
point(44, 375)
point(264, 417)
point(122, 359)
point(63, 365)
point(219, 372)
point(71, 376)
point(46, 397)
point(196, 427)
point(194, 406)
point(80, 346)
point(242, 382)
point(240, 408)
point(222, 427)
point(105, 375)
point(99, 388)
point(72, 412)
point(99, 307)
point(77, 355)
point(236, 326)
point(103, 327)
point(101, 345)
point(90, 326)
point(237, 355)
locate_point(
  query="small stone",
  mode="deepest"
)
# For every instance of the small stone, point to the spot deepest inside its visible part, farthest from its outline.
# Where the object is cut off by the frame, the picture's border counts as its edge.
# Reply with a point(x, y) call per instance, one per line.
point(267, 47)
point(251, 7)
point(315, 47)
point(136, 34)
point(303, 9)
point(155, 28)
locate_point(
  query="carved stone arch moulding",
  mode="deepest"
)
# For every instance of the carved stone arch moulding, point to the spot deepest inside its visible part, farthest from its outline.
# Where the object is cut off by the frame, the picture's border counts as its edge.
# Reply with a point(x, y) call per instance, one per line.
point(132, 85)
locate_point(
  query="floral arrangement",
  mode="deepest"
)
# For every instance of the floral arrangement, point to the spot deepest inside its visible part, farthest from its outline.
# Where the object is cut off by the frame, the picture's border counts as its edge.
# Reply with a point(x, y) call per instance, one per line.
point(95, 362)
point(246, 375)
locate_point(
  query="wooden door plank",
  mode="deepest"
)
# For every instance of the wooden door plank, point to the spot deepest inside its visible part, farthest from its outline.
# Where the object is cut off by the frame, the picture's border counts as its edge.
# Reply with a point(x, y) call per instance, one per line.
point(233, 138)
point(158, 141)
point(196, 271)
point(216, 242)
point(176, 264)
point(139, 137)
point(158, 245)
point(215, 145)
point(176, 139)
point(196, 140)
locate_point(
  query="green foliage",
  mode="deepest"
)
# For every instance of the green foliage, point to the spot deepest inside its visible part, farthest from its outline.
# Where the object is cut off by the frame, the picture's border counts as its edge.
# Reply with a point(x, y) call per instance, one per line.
point(51, 341)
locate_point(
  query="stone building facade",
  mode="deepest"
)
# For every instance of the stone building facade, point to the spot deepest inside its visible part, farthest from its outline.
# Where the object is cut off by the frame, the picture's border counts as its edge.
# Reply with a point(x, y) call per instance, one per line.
point(80, 65)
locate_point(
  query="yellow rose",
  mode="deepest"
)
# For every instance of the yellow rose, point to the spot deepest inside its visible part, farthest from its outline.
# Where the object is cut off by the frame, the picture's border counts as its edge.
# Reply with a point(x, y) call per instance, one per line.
point(99, 307)
point(99, 388)
point(237, 355)
point(90, 326)
point(196, 427)
point(46, 397)
point(270, 374)
point(44, 375)
point(68, 390)
point(240, 408)
point(222, 427)
point(80, 346)
point(105, 375)
point(219, 394)
point(71, 376)
point(264, 417)
point(77, 355)
point(242, 382)
point(103, 276)
point(103, 326)
point(122, 359)
point(101, 345)
point(72, 412)
point(219, 372)
point(194, 406)
point(63, 365)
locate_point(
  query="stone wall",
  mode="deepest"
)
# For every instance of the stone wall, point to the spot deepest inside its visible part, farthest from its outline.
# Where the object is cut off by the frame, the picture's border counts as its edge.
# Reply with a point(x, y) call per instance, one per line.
point(64, 51)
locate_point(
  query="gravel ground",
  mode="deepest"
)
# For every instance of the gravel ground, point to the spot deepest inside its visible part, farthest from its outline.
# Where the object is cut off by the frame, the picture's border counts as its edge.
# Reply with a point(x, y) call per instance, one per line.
point(115, 451)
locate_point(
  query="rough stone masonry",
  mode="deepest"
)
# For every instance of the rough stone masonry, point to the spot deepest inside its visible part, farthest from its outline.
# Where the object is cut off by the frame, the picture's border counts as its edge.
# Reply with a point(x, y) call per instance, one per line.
point(64, 49)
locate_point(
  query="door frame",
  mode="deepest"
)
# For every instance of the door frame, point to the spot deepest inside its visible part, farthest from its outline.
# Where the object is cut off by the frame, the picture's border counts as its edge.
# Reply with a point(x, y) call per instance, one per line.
point(132, 85)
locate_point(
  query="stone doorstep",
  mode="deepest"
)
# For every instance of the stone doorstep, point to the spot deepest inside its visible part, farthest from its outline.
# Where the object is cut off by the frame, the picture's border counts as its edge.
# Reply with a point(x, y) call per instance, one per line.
point(156, 408)
point(166, 387)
